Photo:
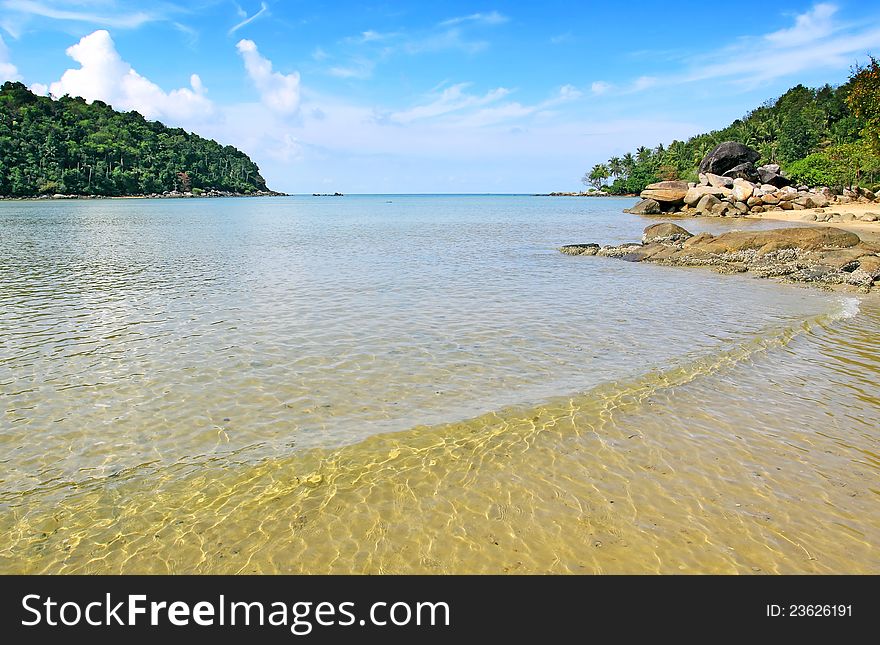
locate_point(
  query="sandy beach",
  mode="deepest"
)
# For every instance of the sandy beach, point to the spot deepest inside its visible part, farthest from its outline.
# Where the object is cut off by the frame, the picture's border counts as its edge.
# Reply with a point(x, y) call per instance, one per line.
point(868, 231)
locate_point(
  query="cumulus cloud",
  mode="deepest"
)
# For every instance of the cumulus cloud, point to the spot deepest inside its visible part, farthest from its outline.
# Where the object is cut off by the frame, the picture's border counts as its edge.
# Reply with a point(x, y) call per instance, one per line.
point(600, 87)
point(104, 75)
point(280, 92)
point(8, 71)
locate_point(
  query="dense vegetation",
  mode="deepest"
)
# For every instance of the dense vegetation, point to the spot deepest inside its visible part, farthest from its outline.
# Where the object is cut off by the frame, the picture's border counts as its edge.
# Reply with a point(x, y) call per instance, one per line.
point(70, 146)
point(827, 136)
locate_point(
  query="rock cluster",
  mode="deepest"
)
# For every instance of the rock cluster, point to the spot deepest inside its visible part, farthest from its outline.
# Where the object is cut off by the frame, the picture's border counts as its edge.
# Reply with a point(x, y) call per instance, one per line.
point(818, 255)
point(731, 186)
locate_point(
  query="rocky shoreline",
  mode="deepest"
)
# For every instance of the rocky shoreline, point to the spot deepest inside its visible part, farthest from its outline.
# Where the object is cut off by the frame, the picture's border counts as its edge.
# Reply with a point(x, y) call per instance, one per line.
point(589, 193)
point(821, 255)
point(172, 194)
point(732, 186)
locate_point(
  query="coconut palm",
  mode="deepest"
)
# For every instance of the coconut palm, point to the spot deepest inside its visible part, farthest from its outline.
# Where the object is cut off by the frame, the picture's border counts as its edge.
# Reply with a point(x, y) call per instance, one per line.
point(615, 166)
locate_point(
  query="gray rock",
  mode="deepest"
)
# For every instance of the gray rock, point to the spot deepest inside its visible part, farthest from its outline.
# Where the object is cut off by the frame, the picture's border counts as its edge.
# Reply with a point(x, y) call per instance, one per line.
point(645, 207)
point(743, 171)
point(718, 181)
point(665, 232)
point(580, 249)
point(707, 203)
point(728, 155)
point(771, 174)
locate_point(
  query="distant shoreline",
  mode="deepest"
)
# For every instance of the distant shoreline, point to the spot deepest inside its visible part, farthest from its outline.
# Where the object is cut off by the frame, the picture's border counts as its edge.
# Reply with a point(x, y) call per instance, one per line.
point(170, 195)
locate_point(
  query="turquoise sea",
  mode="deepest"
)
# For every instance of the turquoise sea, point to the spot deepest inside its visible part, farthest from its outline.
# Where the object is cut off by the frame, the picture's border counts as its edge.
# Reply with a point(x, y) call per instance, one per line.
point(383, 383)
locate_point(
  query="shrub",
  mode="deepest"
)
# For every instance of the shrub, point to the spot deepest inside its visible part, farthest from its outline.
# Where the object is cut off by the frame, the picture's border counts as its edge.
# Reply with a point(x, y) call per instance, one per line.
point(817, 169)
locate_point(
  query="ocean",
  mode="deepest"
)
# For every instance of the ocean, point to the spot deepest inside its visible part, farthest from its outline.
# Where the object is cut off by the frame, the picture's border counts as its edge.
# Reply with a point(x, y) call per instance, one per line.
point(419, 384)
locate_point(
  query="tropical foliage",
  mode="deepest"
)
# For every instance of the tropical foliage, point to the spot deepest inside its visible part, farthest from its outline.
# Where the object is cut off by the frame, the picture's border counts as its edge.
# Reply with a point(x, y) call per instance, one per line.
point(825, 136)
point(73, 147)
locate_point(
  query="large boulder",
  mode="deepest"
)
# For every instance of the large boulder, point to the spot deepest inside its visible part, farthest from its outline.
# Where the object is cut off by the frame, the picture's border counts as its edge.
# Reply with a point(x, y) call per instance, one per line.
point(706, 204)
point(696, 193)
point(645, 207)
point(718, 181)
point(811, 200)
point(666, 191)
point(745, 171)
point(727, 155)
point(771, 174)
point(664, 232)
point(742, 189)
point(812, 238)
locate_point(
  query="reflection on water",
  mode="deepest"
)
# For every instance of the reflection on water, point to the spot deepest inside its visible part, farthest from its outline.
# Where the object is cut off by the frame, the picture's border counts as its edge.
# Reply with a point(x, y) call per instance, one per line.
point(290, 386)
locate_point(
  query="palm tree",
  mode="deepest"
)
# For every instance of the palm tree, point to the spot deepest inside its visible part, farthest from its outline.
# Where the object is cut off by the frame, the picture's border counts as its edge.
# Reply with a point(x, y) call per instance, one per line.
point(643, 154)
point(629, 162)
point(597, 176)
point(615, 166)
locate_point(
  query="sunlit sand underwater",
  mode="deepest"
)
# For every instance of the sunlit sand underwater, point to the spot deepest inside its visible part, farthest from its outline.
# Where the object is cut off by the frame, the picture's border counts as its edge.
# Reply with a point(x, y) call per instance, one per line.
point(421, 386)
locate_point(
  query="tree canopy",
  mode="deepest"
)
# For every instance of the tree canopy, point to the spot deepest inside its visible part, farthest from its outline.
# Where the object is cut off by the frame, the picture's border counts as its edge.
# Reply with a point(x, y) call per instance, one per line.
point(73, 147)
point(820, 136)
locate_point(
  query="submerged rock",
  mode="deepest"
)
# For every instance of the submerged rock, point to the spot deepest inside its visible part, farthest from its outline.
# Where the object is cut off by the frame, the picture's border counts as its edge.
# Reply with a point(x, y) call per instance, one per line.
point(665, 232)
point(822, 255)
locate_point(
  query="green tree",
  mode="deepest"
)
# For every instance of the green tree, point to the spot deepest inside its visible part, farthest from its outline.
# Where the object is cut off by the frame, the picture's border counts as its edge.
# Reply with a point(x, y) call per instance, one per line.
point(797, 139)
point(67, 145)
point(597, 176)
point(864, 100)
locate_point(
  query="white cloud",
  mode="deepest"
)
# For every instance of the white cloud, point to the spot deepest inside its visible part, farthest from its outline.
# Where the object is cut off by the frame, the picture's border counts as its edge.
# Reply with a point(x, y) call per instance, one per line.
point(456, 108)
point(369, 36)
point(359, 67)
point(264, 8)
point(491, 18)
point(816, 23)
point(280, 92)
point(451, 99)
point(600, 87)
point(104, 75)
point(569, 93)
point(643, 83)
point(451, 39)
point(118, 19)
point(816, 41)
point(8, 71)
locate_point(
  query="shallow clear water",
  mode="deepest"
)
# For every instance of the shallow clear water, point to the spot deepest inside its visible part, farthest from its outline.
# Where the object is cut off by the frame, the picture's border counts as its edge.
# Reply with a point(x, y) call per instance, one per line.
point(411, 384)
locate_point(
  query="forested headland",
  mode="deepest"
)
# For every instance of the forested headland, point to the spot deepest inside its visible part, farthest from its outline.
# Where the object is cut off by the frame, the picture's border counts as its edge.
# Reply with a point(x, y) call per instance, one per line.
point(68, 146)
point(827, 136)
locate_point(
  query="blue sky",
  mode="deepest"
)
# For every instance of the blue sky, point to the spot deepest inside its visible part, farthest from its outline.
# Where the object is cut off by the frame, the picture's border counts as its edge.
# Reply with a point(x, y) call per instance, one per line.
point(433, 97)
